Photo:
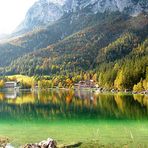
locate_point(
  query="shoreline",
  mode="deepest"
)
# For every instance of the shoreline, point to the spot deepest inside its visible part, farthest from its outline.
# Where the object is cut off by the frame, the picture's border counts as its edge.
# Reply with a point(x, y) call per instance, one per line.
point(89, 143)
point(94, 90)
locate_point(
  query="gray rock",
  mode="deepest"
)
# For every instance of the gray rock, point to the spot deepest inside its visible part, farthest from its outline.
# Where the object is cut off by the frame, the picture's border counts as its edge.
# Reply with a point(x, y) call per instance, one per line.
point(46, 12)
point(49, 143)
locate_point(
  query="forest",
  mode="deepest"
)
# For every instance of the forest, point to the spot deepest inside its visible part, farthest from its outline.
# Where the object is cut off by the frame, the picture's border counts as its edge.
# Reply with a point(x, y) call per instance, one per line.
point(114, 53)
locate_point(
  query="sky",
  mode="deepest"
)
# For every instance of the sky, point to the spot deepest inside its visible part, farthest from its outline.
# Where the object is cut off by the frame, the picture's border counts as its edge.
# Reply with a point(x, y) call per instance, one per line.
point(12, 13)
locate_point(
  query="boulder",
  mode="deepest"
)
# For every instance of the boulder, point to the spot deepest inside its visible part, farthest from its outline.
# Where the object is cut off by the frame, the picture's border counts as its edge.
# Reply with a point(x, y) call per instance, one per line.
point(49, 143)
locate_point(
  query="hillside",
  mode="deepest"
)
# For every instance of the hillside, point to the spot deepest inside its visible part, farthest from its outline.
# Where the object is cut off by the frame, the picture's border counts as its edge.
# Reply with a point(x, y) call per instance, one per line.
point(43, 37)
point(110, 47)
point(75, 16)
point(120, 43)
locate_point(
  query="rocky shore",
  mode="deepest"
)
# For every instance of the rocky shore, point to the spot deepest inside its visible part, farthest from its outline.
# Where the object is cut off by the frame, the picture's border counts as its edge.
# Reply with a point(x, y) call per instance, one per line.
point(104, 90)
point(49, 143)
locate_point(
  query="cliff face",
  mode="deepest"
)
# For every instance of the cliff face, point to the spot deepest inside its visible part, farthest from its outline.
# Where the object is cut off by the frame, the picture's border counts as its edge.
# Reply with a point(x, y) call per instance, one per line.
point(45, 12)
point(134, 7)
point(41, 13)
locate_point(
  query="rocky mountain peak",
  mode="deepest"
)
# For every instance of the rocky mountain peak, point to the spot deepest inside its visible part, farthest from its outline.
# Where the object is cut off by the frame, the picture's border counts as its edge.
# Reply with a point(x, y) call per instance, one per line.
point(135, 6)
point(44, 12)
point(41, 13)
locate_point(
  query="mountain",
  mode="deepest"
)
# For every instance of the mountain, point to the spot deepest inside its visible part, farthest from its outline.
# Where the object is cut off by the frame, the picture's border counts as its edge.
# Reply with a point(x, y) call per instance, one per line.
point(43, 37)
point(40, 14)
point(104, 37)
point(78, 50)
point(45, 12)
point(3, 36)
point(135, 6)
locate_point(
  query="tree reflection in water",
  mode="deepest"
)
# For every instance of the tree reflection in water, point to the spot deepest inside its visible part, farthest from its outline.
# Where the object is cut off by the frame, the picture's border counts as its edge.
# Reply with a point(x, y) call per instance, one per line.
point(54, 104)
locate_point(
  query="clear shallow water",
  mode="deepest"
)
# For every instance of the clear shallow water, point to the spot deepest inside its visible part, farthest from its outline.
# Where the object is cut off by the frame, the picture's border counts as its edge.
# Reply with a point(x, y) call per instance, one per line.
point(68, 116)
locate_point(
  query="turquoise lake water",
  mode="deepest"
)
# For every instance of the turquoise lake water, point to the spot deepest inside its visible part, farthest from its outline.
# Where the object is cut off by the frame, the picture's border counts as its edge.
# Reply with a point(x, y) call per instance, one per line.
point(105, 119)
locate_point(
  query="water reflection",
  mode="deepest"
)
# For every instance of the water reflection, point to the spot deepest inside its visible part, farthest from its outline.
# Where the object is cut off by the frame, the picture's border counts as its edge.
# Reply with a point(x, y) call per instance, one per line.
point(56, 103)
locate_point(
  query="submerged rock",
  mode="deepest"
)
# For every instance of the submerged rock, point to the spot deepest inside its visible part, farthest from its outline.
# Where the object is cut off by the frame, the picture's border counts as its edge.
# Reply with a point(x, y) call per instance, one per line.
point(3, 142)
point(72, 145)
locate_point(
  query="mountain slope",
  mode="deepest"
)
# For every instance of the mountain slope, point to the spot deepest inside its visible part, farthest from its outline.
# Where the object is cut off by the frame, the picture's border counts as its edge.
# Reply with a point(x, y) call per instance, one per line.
point(70, 17)
point(45, 12)
point(41, 38)
point(106, 42)
point(107, 39)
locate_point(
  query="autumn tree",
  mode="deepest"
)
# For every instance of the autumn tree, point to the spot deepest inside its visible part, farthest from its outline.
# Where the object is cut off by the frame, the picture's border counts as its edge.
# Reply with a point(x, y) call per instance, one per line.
point(120, 80)
point(2, 83)
point(139, 87)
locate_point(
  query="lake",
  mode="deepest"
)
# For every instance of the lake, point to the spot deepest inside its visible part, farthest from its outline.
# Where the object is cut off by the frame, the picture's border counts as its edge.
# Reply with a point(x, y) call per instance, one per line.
point(96, 120)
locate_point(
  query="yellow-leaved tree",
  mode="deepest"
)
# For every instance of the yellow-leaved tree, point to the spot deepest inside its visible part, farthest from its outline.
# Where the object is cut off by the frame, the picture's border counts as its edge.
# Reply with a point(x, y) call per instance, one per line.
point(139, 87)
point(119, 81)
point(2, 83)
